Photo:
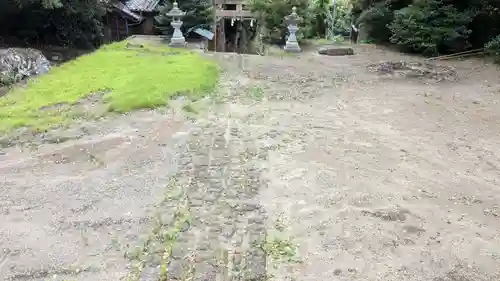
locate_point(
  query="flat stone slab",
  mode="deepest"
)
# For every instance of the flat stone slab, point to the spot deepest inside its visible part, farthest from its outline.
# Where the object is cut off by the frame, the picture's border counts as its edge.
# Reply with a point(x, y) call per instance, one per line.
point(336, 51)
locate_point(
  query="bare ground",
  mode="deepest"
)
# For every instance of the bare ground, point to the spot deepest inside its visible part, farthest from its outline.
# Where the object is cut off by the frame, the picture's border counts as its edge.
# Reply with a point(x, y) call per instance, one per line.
point(307, 168)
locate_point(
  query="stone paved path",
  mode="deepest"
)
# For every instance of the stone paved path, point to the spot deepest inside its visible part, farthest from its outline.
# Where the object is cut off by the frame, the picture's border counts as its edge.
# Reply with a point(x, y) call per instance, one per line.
point(304, 169)
point(218, 217)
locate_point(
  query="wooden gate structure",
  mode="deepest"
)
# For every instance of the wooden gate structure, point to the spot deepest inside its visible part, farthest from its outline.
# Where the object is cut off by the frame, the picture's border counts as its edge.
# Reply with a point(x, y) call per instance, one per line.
point(227, 10)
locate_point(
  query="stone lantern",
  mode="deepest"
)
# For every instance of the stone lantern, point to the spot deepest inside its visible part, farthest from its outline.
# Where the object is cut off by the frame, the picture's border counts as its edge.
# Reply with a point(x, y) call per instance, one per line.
point(292, 22)
point(177, 39)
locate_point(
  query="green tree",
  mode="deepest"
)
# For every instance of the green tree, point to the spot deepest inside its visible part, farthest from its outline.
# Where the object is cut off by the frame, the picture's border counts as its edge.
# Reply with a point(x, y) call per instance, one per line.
point(321, 11)
point(76, 23)
point(272, 14)
point(482, 17)
point(375, 20)
point(198, 12)
point(430, 26)
point(342, 17)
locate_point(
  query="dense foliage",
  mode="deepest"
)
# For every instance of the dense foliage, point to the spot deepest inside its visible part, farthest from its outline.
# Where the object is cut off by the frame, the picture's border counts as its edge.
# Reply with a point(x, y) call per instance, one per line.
point(329, 19)
point(74, 23)
point(429, 26)
point(493, 48)
point(340, 19)
point(379, 16)
point(198, 12)
point(423, 26)
point(319, 18)
point(272, 14)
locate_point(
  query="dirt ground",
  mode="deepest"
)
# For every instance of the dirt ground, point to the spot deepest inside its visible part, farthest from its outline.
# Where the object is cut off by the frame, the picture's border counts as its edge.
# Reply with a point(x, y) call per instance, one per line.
point(301, 168)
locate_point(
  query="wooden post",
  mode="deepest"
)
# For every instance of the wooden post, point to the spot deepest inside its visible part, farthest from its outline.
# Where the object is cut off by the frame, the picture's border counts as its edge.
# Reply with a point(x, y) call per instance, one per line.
point(221, 43)
point(212, 45)
point(117, 28)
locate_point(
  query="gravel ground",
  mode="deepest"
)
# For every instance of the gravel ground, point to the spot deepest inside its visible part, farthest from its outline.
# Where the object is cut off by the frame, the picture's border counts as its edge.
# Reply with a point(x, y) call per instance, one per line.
point(304, 168)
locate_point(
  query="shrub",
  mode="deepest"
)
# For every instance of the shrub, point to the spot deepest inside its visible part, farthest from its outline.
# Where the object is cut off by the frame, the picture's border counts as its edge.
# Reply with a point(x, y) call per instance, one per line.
point(429, 26)
point(375, 20)
point(492, 48)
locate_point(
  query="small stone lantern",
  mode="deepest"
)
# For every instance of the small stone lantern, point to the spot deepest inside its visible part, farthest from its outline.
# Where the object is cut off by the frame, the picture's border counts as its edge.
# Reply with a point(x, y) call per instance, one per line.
point(292, 22)
point(177, 39)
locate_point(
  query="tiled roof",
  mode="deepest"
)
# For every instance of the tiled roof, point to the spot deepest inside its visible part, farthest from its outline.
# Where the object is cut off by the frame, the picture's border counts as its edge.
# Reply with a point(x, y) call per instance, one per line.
point(142, 5)
point(124, 9)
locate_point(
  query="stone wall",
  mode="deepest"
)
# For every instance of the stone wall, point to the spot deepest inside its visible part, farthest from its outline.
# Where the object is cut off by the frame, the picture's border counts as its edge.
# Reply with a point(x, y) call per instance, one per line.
point(59, 54)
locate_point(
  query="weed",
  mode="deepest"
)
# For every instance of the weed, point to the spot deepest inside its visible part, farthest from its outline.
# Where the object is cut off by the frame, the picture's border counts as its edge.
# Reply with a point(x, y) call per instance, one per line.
point(182, 221)
point(95, 160)
point(280, 249)
point(189, 270)
point(164, 235)
point(255, 93)
point(189, 108)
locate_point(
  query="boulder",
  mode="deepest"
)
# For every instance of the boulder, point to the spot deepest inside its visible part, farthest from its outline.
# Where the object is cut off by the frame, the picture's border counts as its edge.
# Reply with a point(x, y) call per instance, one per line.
point(17, 64)
point(336, 51)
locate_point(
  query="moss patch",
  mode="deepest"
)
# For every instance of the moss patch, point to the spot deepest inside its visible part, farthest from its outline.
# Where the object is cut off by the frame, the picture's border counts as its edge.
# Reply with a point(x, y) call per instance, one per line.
point(128, 78)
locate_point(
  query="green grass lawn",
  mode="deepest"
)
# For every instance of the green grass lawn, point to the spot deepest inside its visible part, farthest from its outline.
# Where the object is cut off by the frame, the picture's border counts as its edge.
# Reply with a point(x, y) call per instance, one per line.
point(129, 79)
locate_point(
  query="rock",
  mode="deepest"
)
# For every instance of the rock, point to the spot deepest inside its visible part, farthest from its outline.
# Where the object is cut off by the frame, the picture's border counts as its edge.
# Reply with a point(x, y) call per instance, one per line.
point(17, 64)
point(336, 51)
point(132, 46)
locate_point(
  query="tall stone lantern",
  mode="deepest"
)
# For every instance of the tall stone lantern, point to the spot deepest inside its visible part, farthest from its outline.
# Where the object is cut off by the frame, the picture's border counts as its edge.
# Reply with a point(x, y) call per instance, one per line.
point(177, 39)
point(292, 21)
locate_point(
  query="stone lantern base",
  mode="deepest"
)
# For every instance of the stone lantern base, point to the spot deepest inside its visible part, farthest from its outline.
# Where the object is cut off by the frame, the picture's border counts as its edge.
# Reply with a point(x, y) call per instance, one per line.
point(177, 42)
point(292, 47)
